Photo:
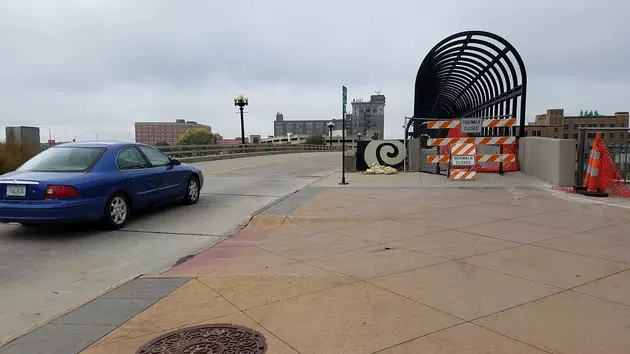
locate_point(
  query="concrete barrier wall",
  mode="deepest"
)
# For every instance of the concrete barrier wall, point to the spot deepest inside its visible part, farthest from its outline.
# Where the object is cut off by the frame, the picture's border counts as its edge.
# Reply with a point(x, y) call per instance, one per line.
point(236, 156)
point(552, 160)
point(414, 153)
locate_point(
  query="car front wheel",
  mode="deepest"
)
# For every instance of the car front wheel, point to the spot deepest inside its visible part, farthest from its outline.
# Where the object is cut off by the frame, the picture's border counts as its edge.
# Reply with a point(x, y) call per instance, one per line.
point(192, 191)
point(116, 211)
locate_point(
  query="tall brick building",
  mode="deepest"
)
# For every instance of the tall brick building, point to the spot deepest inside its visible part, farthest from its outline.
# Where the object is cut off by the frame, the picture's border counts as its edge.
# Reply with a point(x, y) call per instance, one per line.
point(554, 124)
point(151, 133)
point(367, 118)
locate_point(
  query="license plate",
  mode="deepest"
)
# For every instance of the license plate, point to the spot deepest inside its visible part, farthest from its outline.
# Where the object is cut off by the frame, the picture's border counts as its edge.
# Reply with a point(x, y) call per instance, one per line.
point(16, 190)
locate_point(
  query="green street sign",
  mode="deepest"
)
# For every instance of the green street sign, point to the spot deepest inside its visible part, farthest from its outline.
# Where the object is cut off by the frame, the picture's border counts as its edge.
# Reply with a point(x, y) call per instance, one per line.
point(344, 95)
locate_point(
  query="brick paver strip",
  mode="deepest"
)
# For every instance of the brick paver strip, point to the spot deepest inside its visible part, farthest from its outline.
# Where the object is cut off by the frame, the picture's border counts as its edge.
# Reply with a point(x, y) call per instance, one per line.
point(83, 326)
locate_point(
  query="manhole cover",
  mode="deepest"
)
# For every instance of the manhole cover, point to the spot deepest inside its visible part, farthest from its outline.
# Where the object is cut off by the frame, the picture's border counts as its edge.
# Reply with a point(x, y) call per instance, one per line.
point(208, 339)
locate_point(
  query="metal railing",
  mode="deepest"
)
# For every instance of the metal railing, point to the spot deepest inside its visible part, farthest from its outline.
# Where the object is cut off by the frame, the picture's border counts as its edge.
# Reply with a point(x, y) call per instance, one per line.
point(182, 151)
point(619, 153)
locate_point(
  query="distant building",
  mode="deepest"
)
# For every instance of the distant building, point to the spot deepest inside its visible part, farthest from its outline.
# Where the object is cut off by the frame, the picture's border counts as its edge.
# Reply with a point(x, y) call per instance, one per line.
point(351, 141)
point(287, 139)
point(239, 139)
point(283, 127)
point(228, 141)
point(367, 118)
point(25, 136)
point(151, 133)
point(554, 124)
point(255, 139)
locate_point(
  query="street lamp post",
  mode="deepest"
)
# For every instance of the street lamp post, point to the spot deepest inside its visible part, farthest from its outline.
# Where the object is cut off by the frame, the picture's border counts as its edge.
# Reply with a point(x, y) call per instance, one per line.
point(49, 134)
point(241, 101)
point(359, 135)
point(95, 134)
point(330, 126)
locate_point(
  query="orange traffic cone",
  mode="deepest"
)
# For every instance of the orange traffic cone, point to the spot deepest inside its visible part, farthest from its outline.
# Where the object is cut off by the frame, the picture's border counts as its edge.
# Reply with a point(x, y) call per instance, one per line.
point(593, 189)
point(588, 173)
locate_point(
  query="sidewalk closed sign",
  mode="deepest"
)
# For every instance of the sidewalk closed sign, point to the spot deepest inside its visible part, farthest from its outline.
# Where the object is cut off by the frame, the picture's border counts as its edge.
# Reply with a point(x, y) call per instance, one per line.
point(471, 125)
point(461, 160)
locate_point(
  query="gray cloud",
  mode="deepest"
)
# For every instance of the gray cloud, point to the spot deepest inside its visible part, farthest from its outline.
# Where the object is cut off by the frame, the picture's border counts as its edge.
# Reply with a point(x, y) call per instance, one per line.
point(101, 65)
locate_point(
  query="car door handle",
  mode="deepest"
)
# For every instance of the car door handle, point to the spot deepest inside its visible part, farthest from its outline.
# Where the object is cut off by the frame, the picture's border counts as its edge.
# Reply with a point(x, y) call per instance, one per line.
point(131, 179)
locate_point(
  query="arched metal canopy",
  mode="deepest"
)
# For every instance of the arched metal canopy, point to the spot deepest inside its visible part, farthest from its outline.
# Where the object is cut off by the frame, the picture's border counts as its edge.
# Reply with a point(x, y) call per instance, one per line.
point(470, 74)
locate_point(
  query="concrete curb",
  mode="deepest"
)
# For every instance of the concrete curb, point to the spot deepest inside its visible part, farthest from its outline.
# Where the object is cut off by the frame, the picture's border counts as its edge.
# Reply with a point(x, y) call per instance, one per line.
point(247, 221)
point(47, 320)
point(160, 274)
point(272, 219)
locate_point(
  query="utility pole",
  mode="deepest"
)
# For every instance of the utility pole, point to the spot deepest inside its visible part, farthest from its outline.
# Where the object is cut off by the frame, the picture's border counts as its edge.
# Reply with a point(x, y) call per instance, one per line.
point(344, 101)
point(331, 125)
point(49, 134)
point(241, 101)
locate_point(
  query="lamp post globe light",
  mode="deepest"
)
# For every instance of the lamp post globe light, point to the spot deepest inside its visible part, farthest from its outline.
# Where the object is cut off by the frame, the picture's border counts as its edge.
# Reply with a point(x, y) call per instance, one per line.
point(330, 126)
point(359, 135)
point(241, 101)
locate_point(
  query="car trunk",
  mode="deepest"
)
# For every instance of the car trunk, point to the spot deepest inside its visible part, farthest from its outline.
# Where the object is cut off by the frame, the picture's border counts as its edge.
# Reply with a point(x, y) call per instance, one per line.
point(32, 183)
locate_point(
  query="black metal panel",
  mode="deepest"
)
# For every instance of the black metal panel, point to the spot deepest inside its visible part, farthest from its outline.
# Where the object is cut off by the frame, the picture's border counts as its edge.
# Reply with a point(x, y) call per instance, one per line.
point(469, 74)
point(383, 152)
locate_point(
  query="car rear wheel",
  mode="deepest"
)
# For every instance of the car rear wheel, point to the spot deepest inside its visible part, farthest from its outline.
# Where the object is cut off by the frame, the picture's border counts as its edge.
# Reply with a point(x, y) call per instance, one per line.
point(116, 211)
point(192, 191)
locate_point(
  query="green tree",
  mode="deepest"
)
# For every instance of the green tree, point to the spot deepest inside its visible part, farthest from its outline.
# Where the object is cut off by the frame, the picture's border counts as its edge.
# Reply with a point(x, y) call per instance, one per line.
point(13, 155)
point(162, 143)
point(315, 140)
point(198, 136)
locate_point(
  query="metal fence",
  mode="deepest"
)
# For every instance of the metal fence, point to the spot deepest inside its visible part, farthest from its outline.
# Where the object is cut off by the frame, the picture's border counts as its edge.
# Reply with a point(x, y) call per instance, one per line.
point(181, 151)
point(418, 128)
point(618, 152)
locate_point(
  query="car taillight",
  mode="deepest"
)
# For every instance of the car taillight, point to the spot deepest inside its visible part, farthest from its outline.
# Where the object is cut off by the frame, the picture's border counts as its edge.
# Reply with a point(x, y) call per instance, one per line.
point(58, 192)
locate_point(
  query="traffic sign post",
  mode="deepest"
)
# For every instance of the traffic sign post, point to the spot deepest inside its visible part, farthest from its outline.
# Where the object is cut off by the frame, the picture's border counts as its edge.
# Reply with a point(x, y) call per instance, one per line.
point(471, 125)
point(344, 101)
point(463, 162)
point(458, 160)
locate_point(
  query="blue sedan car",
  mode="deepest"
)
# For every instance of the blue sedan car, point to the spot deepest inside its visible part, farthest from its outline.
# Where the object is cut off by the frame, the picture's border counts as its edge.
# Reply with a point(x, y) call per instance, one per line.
point(87, 181)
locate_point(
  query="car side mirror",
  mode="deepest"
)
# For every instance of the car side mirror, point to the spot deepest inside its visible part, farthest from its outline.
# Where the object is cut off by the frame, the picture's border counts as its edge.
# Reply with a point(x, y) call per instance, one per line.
point(175, 162)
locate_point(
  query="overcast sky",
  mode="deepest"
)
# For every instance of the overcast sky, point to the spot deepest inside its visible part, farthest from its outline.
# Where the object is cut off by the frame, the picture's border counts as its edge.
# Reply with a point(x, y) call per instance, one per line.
point(97, 66)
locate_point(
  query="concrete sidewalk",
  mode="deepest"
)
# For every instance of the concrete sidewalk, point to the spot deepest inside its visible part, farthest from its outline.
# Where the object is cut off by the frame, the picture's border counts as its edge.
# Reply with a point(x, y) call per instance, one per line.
point(359, 269)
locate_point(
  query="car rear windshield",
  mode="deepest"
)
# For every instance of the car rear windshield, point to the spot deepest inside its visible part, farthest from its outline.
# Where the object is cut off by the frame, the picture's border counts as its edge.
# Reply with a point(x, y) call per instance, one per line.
point(64, 159)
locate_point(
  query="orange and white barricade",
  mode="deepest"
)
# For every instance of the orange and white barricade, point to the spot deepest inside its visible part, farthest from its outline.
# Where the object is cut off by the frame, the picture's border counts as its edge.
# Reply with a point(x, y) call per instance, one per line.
point(504, 160)
point(487, 123)
point(462, 162)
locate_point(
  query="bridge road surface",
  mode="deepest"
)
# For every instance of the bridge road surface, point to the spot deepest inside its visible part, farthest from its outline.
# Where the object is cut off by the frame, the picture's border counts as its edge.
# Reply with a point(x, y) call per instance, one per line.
point(46, 270)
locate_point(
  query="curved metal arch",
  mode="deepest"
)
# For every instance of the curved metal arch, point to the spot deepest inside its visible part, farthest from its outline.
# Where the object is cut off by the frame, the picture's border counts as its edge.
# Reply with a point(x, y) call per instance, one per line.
point(490, 65)
point(498, 52)
point(459, 81)
point(465, 66)
point(483, 91)
point(465, 74)
point(470, 74)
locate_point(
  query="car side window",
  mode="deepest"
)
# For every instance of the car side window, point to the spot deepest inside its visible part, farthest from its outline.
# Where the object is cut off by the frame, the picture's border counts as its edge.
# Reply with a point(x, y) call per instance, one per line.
point(156, 158)
point(130, 159)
